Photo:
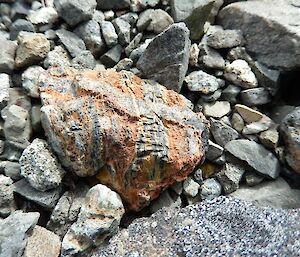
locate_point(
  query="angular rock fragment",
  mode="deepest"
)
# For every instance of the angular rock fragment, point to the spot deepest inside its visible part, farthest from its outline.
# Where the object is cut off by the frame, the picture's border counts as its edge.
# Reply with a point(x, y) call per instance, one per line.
point(112, 57)
point(190, 187)
point(30, 79)
point(166, 58)
point(109, 33)
point(57, 57)
point(214, 151)
point(18, 26)
point(210, 189)
point(249, 115)
point(5, 84)
point(113, 4)
point(255, 96)
point(7, 55)
point(123, 28)
point(42, 16)
point(7, 202)
point(123, 129)
point(217, 109)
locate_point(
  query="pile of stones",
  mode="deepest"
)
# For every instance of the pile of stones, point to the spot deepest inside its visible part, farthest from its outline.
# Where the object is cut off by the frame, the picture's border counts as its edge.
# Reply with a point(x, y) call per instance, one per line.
point(200, 101)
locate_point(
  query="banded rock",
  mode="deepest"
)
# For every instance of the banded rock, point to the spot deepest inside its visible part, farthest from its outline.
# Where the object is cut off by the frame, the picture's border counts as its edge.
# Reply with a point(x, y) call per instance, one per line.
point(136, 136)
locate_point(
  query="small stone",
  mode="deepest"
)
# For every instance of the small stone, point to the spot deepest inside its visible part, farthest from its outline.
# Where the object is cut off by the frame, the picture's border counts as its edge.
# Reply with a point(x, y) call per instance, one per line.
point(33, 48)
point(210, 189)
point(240, 74)
point(133, 44)
point(214, 151)
point(139, 5)
point(109, 15)
point(12, 170)
point(222, 133)
point(249, 115)
point(18, 26)
point(123, 29)
point(113, 4)
point(259, 126)
point(84, 60)
point(165, 200)
point(109, 33)
point(216, 109)
point(237, 122)
point(71, 41)
point(7, 55)
point(75, 11)
point(7, 202)
point(190, 187)
point(42, 16)
point(5, 84)
point(30, 79)
point(42, 242)
point(194, 55)
point(57, 57)
point(200, 81)
point(46, 199)
point(256, 156)
point(210, 97)
point(220, 160)
point(255, 96)
point(131, 18)
point(231, 93)
point(154, 20)
point(124, 64)
point(198, 176)
point(35, 117)
point(40, 166)
point(230, 177)
point(253, 179)
point(101, 213)
point(112, 57)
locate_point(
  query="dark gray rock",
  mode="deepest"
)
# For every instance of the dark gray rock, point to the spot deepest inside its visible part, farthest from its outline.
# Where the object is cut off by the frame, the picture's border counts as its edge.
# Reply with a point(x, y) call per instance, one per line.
point(166, 58)
point(113, 4)
point(14, 232)
point(75, 11)
point(112, 57)
point(256, 156)
point(7, 202)
point(12, 170)
point(18, 26)
point(255, 96)
point(84, 60)
point(214, 151)
point(7, 55)
point(231, 93)
point(261, 23)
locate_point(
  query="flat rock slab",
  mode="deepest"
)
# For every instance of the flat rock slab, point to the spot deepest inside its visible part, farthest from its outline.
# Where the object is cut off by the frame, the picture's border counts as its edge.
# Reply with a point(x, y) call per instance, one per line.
point(136, 136)
point(271, 34)
point(220, 227)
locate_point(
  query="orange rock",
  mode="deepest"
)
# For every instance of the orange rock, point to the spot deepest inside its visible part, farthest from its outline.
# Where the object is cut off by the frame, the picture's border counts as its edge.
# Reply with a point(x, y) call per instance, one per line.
point(133, 135)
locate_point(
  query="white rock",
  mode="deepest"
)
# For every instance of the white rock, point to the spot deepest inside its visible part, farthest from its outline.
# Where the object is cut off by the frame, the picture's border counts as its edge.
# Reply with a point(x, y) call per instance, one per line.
point(42, 16)
point(217, 109)
point(249, 115)
point(190, 187)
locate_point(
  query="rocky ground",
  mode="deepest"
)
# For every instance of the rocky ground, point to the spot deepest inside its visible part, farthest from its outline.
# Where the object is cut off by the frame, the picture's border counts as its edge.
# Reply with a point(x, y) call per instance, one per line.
point(114, 109)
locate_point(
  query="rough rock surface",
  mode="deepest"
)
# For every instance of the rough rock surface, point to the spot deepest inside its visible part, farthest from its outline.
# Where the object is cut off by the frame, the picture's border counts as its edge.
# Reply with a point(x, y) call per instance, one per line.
point(7, 55)
point(138, 145)
point(166, 58)
point(221, 227)
point(7, 202)
point(261, 23)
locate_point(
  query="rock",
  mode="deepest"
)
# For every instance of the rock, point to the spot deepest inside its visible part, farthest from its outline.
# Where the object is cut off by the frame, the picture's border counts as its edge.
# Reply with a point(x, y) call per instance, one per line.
point(133, 44)
point(253, 179)
point(277, 194)
point(14, 232)
point(154, 20)
point(90, 33)
point(190, 187)
point(165, 200)
point(194, 55)
point(255, 96)
point(123, 29)
point(124, 64)
point(73, 43)
point(12, 170)
point(101, 213)
point(75, 11)
point(198, 176)
point(5, 84)
point(200, 81)
point(137, 53)
point(30, 79)
point(256, 156)
point(84, 60)
point(113, 4)
point(230, 177)
point(42, 16)
point(112, 57)
point(237, 122)
point(231, 93)
point(33, 48)
point(222, 133)
point(40, 166)
point(42, 242)
point(290, 129)
point(7, 55)
point(66, 211)
point(213, 97)
point(57, 57)
point(109, 33)
point(135, 135)
point(249, 115)
point(210, 228)
point(216, 109)
point(261, 23)
point(46, 199)
point(35, 117)
point(214, 151)
point(259, 126)
point(240, 74)
point(210, 189)
point(7, 202)
point(195, 14)
point(18, 26)
point(177, 187)
point(167, 56)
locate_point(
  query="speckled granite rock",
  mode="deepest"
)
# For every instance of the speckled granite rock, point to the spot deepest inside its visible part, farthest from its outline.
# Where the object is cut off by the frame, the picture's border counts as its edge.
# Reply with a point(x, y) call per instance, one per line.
point(220, 227)
point(135, 135)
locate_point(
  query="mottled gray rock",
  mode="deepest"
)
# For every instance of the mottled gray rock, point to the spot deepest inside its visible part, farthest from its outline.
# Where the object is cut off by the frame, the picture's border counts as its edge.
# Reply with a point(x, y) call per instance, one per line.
point(109, 33)
point(222, 132)
point(30, 79)
point(7, 202)
point(75, 11)
point(12, 170)
point(255, 96)
point(7, 55)
point(84, 60)
point(167, 56)
point(40, 166)
point(252, 178)
point(209, 57)
point(57, 57)
point(231, 93)
point(190, 187)
point(124, 64)
point(101, 213)
point(18, 26)
point(123, 29)
point(261, 23)
point(194, 55)
point(14, 232)
point(165, 200)
point(5, 84)
point(210, 97)
point(200, 81)
point(71, 41)
point(248, 114)
point(216, 109)
point(210, 189)
point(259, 126)
point(220, 227)
point(138, 5)
point(46, 199)
point(256, 156)
point(214, 151)
point(112, 57)
point(42, 16)
point(113, 4)
point(133, 44)
point(237, 122)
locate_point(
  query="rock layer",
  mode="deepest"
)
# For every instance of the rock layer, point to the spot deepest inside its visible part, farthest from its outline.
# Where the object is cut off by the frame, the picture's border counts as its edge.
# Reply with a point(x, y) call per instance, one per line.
point(135, 135)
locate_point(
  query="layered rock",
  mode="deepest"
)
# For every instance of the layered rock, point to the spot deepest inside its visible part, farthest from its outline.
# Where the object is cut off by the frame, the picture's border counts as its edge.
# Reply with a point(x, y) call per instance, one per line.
point(135, 135)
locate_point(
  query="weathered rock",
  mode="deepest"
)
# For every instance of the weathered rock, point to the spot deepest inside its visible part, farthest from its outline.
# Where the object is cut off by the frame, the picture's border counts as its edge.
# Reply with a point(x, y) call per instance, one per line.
point(255, 96)
point(290, 129)
point(123, 28)
point(7, 202)
point(237, 122)
point(18, 26)
point(42, 242)
point(113, 4)
point(221, 227)
point(109, 33)
point(12, 170)
point(231, 93)
point(14, 232)
point(194, 55)
point(248, 114)
point(75, 11)
point(165, 200)
point(30, 79)
point(5, 84)
point(33, 48)
point(214, 151)
point(253, 179)
point(135, 163)
point(7, 55)
point(84, 60)
point(42, 16)
point(166, 58)
point(40, 166)
point(112, 57)
point(124, 64)
point(210, 98)
point(57, 57)
point(190, 187)
point(261, 23)
point(98, 220)
point(133, 44)
point(259, 126)
point(216, 109)
point(256, 156)
point(210, 189)
point(138, 5)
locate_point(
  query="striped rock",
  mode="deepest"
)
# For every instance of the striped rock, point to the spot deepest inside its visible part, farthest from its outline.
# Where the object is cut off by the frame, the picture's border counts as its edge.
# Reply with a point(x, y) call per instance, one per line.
point(132, 135)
